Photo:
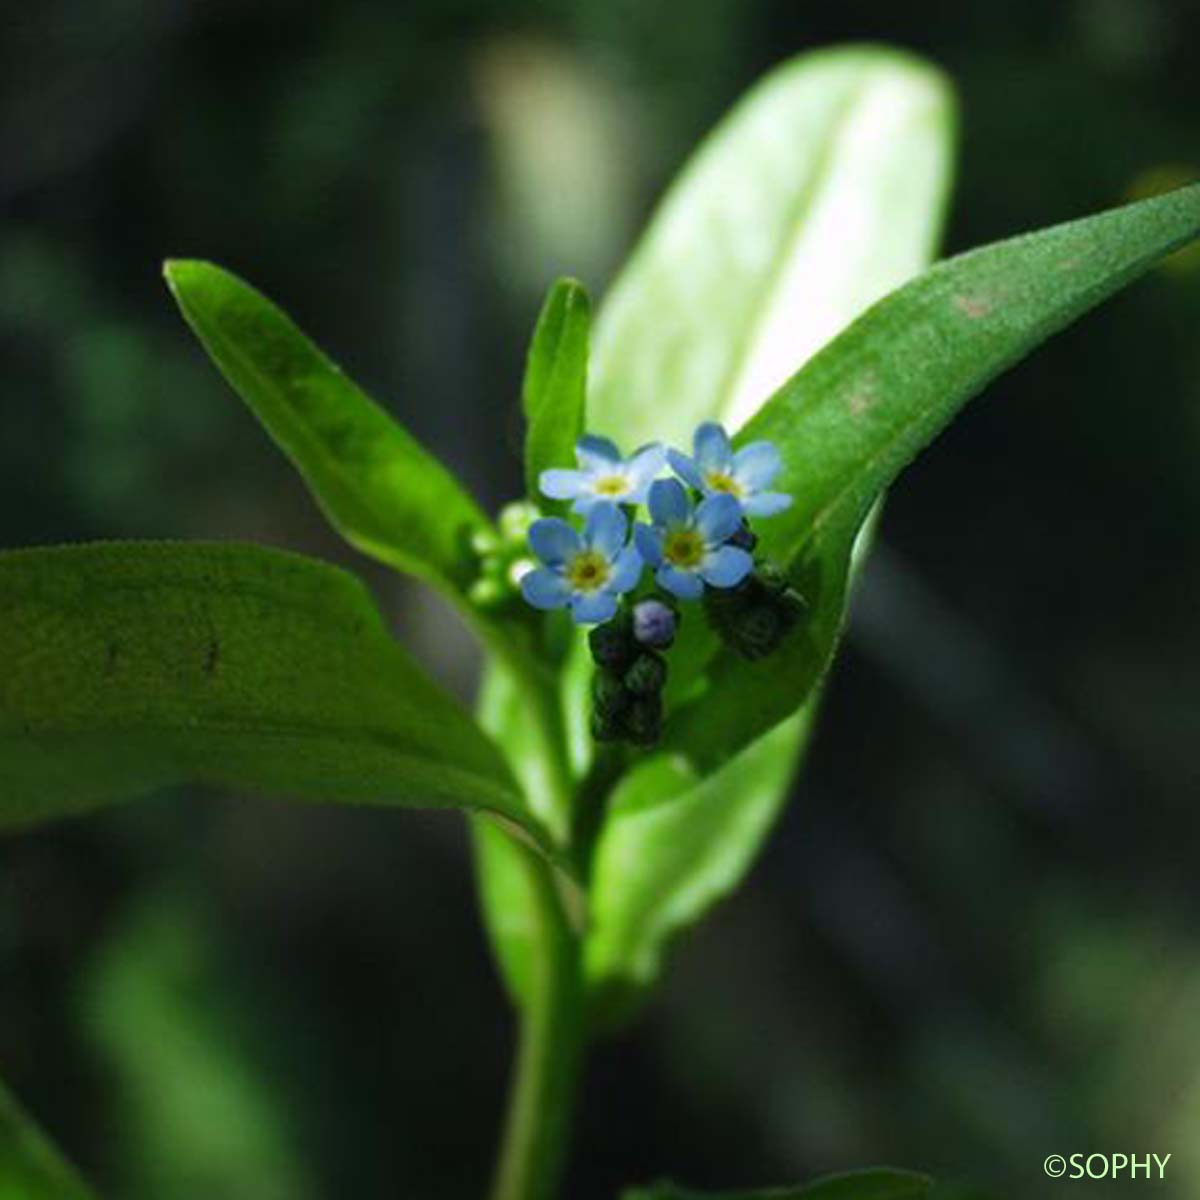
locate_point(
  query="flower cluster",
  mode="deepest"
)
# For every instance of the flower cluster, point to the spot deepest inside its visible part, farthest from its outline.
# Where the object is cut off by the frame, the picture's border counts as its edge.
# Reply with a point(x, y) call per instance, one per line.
point(693, 541)
point(696, 543)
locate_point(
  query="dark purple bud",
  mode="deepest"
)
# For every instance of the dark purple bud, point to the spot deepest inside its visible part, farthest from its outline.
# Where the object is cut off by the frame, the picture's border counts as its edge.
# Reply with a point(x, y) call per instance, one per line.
point(744, 538)
point(653, 624)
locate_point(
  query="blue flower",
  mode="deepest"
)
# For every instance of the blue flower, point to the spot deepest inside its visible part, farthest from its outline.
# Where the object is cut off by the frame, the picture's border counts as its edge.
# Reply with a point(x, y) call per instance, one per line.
point(716, 470)
point(586, 573)
point(603, 475)
point(686, 546)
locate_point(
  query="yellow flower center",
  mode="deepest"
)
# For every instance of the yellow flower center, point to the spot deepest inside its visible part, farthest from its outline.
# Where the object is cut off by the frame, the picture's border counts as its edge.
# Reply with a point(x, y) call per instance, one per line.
point(612, 485)
point(683, 548)
point(719, 481)
point(589, 571)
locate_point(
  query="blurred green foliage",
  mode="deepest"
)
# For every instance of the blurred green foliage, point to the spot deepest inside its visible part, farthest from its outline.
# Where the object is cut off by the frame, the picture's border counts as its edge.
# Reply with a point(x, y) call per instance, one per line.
point(973, 942)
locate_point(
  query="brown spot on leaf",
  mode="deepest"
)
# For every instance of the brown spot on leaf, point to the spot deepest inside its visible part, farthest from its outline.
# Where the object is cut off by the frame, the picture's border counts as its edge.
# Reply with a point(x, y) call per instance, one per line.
point(859, 402)
point(974, 307)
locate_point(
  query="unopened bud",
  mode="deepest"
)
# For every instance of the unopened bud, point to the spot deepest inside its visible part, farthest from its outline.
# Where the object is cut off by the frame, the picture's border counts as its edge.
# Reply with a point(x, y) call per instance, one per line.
point(643, 721)
point(609, 696)
point(654, 624)
point(612, 644)
point(647, 675)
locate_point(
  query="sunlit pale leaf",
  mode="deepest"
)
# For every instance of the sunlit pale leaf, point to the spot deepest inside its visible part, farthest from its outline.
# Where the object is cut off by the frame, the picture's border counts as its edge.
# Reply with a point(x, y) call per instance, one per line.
point(821, 190)
point(671, 847)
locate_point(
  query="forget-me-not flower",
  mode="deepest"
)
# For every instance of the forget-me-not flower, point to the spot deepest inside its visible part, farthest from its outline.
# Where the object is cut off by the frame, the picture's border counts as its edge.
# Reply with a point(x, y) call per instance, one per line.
point(583, 572)
point(687, 546)
point(716, 469)
point(603, 475)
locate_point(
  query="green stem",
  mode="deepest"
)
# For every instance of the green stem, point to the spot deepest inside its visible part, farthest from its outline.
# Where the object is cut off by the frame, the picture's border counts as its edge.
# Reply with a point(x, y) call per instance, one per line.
point(541, 1106)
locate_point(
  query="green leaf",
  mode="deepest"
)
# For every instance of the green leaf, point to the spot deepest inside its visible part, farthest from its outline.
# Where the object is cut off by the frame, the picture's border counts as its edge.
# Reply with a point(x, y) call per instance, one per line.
point(384, 493)
point(555, 392)
point(673, 845)
point(821, 190)
point(854, 416)
point(30, 1166)
point(189, 1090)
point(507, 894)
point(878, 1184)
point(133, 666)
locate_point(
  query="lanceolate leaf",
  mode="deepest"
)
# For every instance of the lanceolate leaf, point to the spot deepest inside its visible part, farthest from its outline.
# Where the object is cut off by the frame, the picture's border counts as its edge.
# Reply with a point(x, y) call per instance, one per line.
point(555, 392)
point(821, 190)
point(850, 420)
point(132, 666)
point(30, 1167)
point(662, 863)
point(383, 492)
point(880, 1184)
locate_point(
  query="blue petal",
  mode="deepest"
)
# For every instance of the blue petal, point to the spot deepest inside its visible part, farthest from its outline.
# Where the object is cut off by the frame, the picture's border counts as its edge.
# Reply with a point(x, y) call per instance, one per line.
point(593, 608)
point(766, 504)
point(544, 588)
point(649, 543)
point(645, 464)
point(726, 567)
point(627, 570)
point(755, 465)
point(683, 584)
point(668, 501)
point(606, 530)
point(711, 444)
point(686, 469)
point(553, 541)
point(596, 453)
point(641, 471)
point(561, 484)
point(718, 518)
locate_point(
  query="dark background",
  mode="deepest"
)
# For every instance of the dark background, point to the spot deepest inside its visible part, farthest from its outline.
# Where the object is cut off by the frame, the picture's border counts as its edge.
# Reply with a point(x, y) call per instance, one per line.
point(973, 939)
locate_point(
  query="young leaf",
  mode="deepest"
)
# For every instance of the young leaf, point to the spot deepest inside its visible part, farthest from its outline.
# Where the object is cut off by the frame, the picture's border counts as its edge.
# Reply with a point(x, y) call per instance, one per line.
point(384, 493)
point(750, 262)
point(133, 666)
point(849, 421)
point(660, 866)
point(821, 190)
point(878, 1184)
point(30, 1166)
point(555, 392)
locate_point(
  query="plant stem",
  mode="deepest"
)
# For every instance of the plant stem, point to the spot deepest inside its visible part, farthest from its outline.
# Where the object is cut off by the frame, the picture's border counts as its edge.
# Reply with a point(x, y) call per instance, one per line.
point(541, 1103)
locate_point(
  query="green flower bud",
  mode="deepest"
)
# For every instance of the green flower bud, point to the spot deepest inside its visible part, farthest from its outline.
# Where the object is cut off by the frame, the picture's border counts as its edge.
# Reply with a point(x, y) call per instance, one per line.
point(515, 520)
point(647, 675)
point(758, 614)
point(487, 592)
point(643, 721)
point(609, 694)
point(607, 728)
point(612, 644)
point(484, 542)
